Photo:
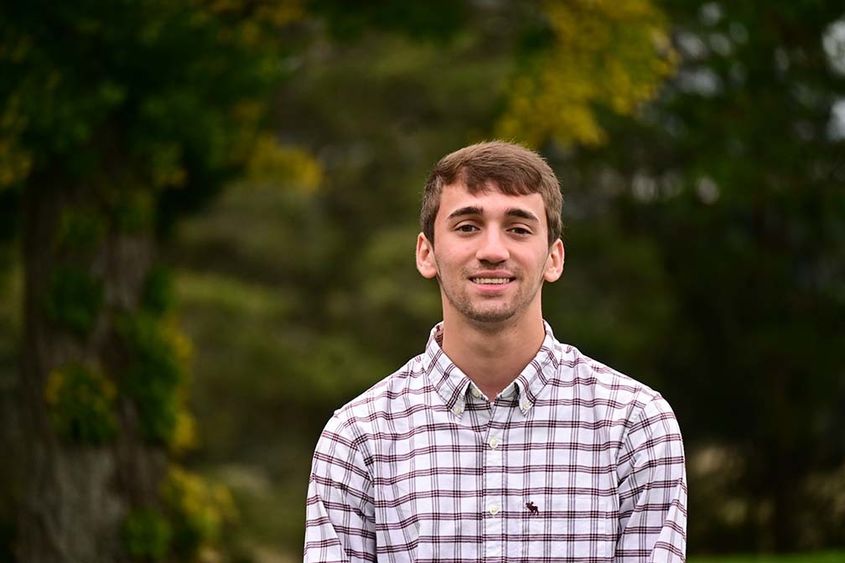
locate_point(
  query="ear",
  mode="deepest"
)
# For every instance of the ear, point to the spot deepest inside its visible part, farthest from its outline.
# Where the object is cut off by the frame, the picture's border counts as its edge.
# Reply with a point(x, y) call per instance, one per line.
point(554, 263)
point(426, 265)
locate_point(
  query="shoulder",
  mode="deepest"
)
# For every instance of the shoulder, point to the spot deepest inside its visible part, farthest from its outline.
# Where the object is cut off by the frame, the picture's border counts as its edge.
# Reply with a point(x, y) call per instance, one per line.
point(392, 397)
point(620, 397)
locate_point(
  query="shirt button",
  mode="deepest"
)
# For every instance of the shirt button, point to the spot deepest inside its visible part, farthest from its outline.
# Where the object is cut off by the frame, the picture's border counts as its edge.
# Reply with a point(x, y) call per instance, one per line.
point(493, 442)
point(525, 405)
point(475, 392)
point(458, 409)
point(494, 509)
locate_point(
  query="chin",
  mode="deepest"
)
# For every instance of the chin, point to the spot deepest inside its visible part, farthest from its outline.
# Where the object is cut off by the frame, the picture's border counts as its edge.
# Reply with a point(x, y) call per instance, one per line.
point(488, 317)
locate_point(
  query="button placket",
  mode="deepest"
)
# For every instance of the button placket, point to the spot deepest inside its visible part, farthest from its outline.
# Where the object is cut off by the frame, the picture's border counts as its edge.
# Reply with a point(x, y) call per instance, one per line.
point(494, 522)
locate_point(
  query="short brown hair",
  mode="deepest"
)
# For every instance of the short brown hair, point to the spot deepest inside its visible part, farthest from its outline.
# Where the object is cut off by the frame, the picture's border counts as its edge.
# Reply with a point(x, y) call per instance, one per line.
point(514, 169)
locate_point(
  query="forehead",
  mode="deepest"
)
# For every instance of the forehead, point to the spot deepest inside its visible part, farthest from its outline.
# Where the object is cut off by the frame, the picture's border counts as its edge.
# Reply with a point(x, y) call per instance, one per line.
point(490, 201)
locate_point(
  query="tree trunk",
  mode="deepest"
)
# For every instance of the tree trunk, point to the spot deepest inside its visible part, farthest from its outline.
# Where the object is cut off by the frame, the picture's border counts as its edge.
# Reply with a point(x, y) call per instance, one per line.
point(75, 495)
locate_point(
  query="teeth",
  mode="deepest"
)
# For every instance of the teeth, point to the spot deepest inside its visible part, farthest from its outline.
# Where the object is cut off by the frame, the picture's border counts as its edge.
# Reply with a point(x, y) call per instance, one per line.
point(491, 281)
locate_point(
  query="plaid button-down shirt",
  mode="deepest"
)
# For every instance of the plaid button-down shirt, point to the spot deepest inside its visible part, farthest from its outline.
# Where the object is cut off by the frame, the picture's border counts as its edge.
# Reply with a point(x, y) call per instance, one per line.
point(573, 461)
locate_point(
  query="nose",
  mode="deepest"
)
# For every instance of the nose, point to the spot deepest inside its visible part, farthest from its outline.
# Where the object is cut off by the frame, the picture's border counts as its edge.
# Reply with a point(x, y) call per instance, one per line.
point(492, 248)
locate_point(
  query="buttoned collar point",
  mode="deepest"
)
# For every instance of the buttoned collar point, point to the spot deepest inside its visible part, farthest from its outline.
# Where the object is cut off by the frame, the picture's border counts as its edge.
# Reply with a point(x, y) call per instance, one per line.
point(453, 386)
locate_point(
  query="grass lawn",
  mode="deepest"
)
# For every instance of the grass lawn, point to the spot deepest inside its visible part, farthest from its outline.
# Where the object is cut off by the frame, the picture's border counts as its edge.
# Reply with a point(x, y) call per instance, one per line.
point(818, 557)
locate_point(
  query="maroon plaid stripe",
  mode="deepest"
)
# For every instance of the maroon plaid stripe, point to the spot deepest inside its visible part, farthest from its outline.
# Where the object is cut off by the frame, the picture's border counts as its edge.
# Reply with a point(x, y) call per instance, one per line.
point(422, 467)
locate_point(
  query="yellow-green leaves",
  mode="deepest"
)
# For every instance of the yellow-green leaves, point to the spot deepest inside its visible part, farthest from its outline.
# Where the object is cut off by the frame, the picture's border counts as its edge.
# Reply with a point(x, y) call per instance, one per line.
point(198, 511)
point(81, 404)
point(189, 524)
point(609, 54)
point(154, 379)
point(147, 534)
point(274, 164)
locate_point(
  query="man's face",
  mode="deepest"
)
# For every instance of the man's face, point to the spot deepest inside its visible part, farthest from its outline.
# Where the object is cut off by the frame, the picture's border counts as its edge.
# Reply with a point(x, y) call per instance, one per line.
point(491, 254)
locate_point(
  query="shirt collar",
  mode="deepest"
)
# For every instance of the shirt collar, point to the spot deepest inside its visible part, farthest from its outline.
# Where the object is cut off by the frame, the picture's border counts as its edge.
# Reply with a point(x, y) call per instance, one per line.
point(452, 385)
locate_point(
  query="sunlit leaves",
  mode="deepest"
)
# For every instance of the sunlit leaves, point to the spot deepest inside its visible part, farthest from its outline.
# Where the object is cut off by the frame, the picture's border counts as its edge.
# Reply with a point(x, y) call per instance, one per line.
point(604, 55)
point(274, 164)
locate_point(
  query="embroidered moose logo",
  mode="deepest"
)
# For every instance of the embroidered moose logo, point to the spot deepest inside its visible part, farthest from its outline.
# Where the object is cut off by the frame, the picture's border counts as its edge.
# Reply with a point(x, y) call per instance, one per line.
point(532, 508)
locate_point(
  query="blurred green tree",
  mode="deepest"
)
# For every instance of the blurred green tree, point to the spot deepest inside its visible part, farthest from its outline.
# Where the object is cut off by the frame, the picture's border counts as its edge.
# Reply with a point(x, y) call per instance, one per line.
point(116, 118)
point(733, 180)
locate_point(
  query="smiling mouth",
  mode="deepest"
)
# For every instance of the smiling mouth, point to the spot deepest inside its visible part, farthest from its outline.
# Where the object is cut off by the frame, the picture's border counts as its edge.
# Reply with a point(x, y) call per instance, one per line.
point(491, 281)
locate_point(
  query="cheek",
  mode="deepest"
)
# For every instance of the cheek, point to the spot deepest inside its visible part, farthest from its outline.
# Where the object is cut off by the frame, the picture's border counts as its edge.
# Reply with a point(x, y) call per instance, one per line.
point(446, 259)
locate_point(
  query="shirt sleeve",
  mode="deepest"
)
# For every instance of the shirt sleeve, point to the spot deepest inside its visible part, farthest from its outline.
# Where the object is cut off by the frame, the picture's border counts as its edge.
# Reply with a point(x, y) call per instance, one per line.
point(652, 489)
point(339, 519)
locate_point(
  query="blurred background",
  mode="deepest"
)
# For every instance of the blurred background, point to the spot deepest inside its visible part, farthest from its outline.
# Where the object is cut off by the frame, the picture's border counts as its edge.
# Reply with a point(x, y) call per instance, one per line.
point(208, 211)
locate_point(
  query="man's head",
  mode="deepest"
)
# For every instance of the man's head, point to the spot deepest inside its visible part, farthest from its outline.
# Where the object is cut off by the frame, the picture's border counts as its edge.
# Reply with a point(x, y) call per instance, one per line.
point(495, 208)
point(512, 169)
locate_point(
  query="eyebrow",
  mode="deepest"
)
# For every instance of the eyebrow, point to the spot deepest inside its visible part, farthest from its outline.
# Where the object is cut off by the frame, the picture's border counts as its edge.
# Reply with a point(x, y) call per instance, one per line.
point(522, 214)
point(464, 211)
point(510, 212)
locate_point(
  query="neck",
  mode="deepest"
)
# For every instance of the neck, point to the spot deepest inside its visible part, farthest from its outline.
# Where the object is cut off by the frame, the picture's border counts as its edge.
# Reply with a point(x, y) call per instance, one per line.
point(492, 356)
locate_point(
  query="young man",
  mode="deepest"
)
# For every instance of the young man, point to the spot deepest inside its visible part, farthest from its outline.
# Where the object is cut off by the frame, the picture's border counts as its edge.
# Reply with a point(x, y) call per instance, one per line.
point(498, 443)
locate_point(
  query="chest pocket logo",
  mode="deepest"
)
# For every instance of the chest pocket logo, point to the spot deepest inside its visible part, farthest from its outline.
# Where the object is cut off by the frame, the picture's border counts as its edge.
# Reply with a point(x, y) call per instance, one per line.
point(573, 526)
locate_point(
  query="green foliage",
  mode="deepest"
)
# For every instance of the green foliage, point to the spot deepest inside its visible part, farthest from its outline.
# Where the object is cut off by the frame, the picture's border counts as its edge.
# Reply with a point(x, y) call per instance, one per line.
point(732, 178)
point(81, 403)
point(141, 110)
point(809, 557)
point(157, 295)
point(198, 510)
point(74, 299)
point(147, 534)
point(438, 19)
point(80, 231)
point(149, 95)
point(154, 374)
point(74, 296)
point(192, 518)
point(132, 211)
point(285, 167)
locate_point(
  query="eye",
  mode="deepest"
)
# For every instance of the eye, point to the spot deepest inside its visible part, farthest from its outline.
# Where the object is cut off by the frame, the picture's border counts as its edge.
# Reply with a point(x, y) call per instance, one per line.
point(521, 231)
point(466, 228)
